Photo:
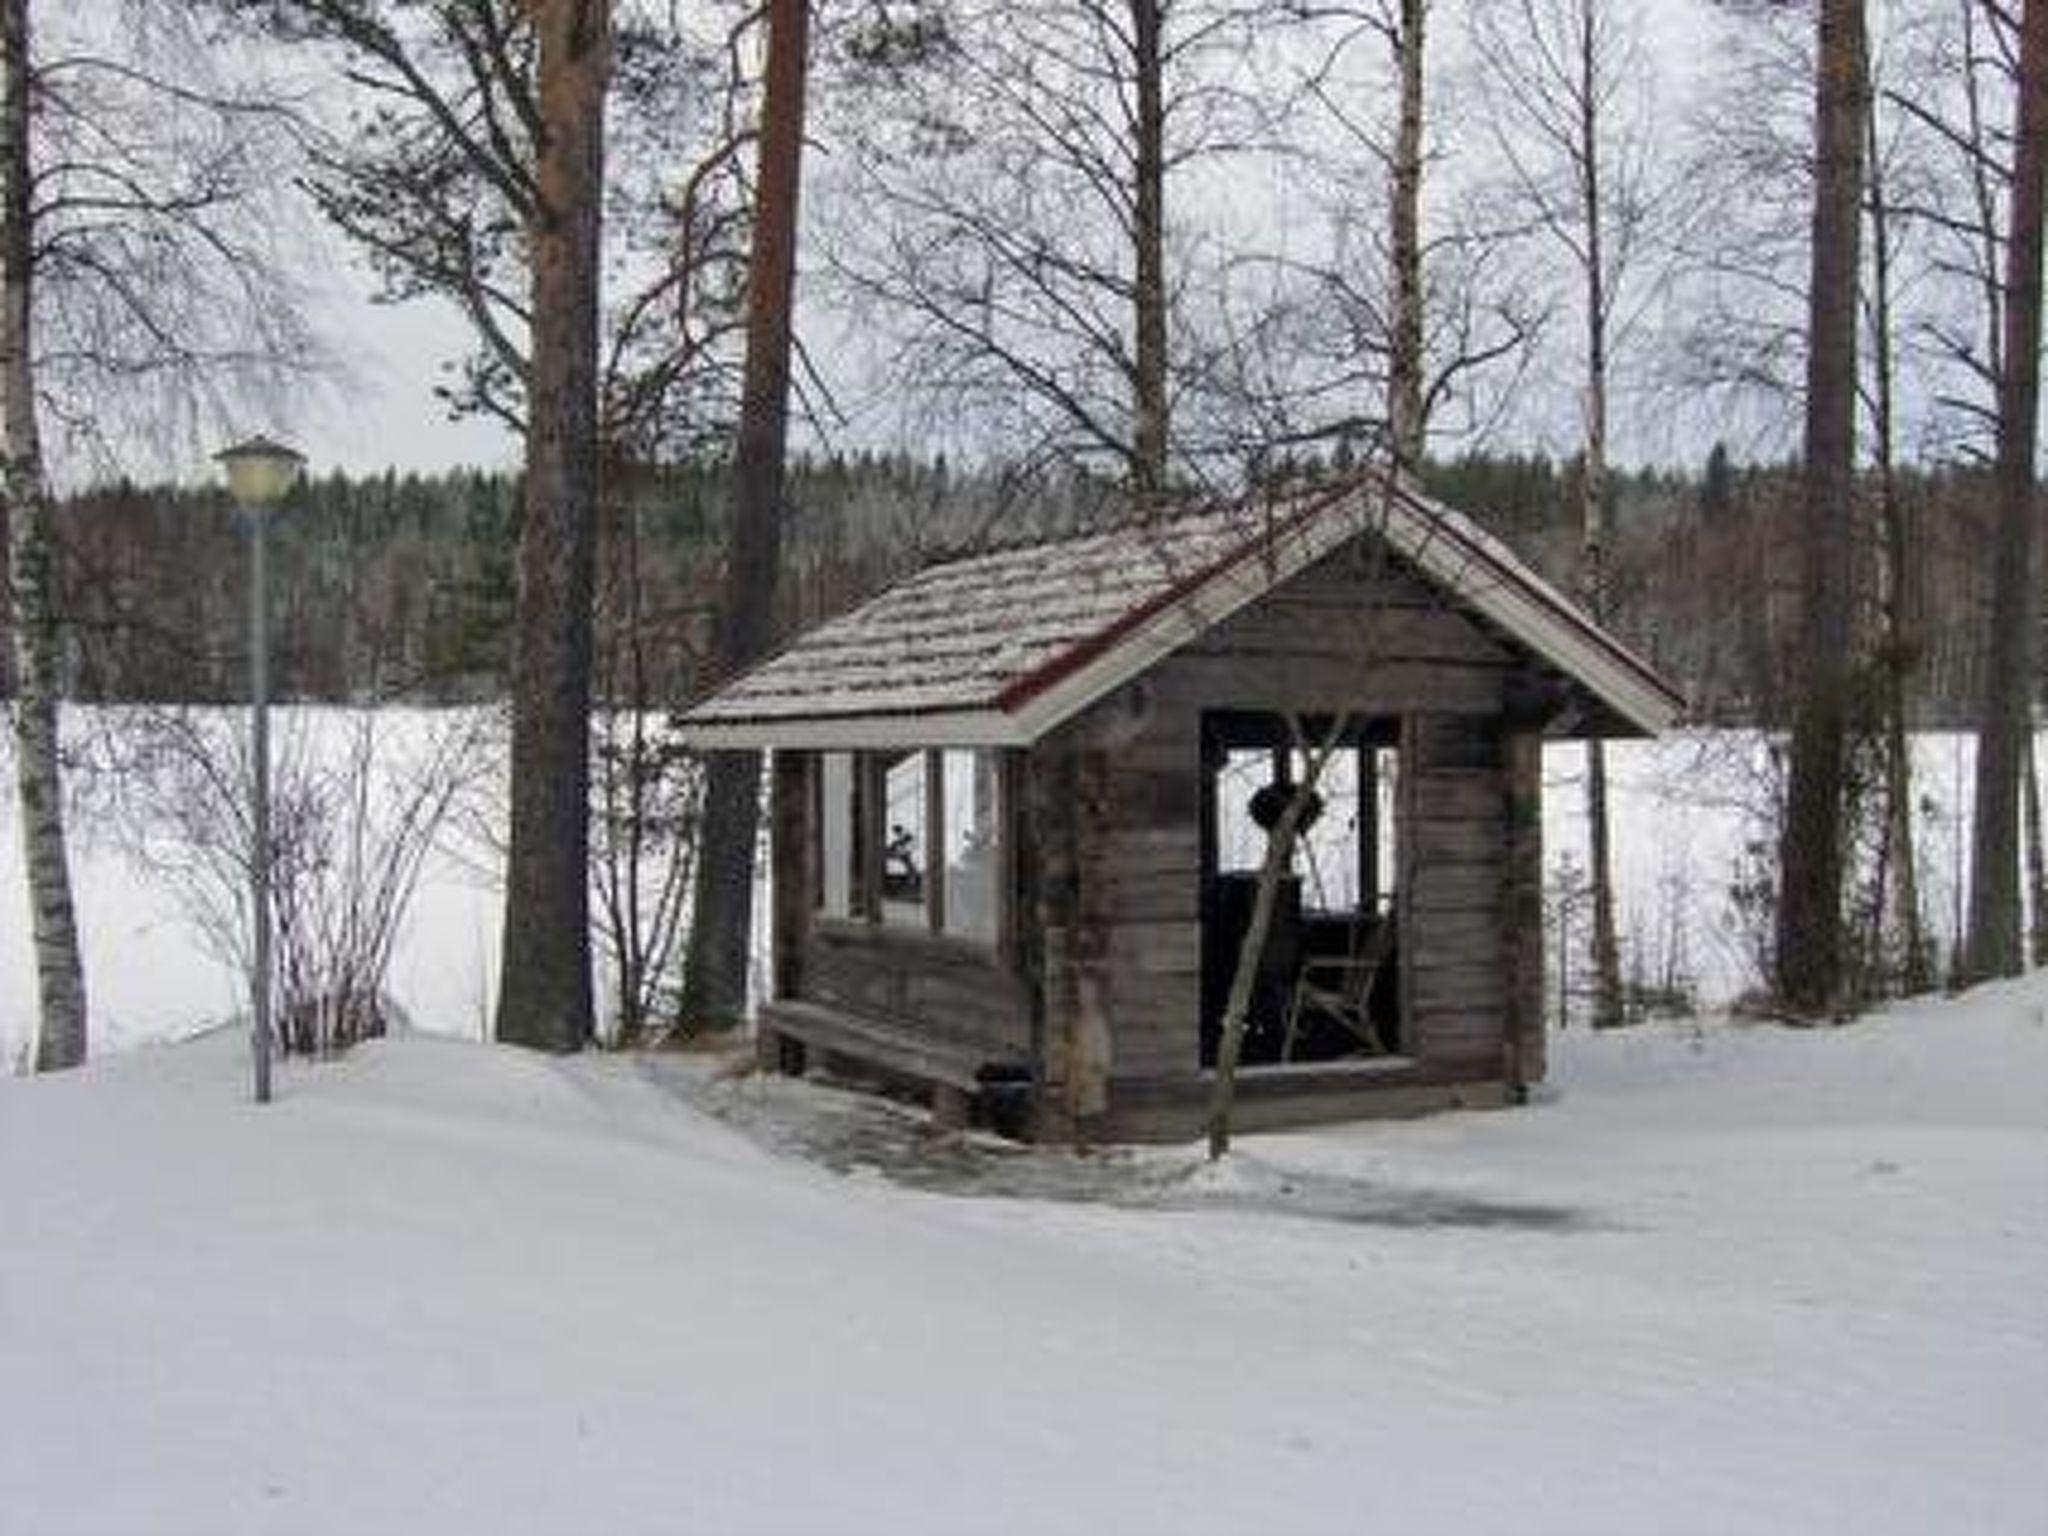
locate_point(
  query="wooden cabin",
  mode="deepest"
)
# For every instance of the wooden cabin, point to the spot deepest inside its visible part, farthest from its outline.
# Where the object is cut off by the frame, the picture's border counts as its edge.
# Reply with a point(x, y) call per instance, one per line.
point(1018, 800)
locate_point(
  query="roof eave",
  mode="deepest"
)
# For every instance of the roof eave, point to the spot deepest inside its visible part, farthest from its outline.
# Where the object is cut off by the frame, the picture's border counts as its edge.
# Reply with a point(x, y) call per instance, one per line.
point(849, 733)
point(1553, 630)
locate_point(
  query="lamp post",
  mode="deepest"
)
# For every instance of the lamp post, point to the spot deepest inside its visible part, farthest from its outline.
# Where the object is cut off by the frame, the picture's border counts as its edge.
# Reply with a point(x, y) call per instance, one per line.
point(260, 474)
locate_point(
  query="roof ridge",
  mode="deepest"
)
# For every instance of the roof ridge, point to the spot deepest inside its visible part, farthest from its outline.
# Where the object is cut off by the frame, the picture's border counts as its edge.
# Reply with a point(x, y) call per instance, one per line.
point(1212, 504)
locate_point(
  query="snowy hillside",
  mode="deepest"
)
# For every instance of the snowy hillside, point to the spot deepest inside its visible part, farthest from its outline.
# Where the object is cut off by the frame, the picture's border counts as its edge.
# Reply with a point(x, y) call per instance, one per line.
point(1720, 1279)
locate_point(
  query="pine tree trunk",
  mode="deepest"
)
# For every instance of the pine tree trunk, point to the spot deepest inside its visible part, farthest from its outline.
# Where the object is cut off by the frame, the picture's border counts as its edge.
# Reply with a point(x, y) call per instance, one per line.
point(715, 975)
point(1149, 426)
point(1993, 947)
point(544, 990)
point(1407, 430)
point(60, 974)
point(1809, 918)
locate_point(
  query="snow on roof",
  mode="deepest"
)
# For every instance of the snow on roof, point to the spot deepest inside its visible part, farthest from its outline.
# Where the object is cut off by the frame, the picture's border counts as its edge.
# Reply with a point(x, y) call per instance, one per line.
point(997, 649)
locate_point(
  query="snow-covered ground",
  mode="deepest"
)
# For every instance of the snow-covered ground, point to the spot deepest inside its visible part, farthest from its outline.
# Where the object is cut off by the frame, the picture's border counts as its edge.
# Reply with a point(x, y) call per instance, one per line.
point(1720, 1279)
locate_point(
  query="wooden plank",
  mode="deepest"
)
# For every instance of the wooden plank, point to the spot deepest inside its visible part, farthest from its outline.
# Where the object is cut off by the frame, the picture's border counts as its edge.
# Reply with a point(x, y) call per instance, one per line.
point(875, 1041)
point(1161, 800)
point(1410, 888)
point(1089, 1024)
point(1014, 861)
point(1022, 934)
point(871, 809)
point(1299, 642)
point(1158, 949)
point(1472, 942)
point(947, 988)
point(1053, 793)
point(1159, 898)
point(1156, 1052)
point(935, 841)
point(1482, 992)
point(1173, 847)
point(1170, 742)
point(1172, 1107)
point(1447, 741)
point(1443, 1043)
point(1158, 1029)
point(790, 899)
point(1460, 796)
point(1448, 887)
point(1436, 841)
point(1224, 682)
point(1527, 1041)
point(1473, 935)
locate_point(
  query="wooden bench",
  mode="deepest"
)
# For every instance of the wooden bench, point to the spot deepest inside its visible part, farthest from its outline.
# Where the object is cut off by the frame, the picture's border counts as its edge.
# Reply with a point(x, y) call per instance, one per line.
point(790, 1031)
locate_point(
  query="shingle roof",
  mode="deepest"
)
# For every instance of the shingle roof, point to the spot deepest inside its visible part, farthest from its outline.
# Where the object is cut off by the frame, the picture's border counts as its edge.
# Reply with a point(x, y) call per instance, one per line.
point(999, 648)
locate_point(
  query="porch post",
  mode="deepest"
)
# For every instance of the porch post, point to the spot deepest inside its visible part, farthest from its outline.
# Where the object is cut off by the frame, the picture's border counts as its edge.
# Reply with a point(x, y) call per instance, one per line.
point(1524, 1044)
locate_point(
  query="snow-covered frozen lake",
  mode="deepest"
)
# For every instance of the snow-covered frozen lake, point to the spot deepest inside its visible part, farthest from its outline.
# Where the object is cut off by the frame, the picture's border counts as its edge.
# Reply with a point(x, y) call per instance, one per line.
point(1684, 811)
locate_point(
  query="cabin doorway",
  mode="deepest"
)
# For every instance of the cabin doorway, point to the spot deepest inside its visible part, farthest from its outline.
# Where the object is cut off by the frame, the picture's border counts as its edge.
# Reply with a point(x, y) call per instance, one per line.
point(1328, 981)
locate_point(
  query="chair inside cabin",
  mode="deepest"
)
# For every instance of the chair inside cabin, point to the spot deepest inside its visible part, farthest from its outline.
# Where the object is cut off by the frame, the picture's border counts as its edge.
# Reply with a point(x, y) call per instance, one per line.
point(1338, 987)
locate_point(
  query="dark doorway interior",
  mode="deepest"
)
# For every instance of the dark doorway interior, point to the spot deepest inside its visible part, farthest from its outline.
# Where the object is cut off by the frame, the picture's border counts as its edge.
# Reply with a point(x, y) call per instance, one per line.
point(1328, 982)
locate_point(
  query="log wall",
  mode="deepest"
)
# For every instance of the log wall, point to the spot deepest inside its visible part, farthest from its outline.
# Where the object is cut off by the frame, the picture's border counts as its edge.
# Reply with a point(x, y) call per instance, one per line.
point(1453, 914)
point(1338, 638)
point(956, 992)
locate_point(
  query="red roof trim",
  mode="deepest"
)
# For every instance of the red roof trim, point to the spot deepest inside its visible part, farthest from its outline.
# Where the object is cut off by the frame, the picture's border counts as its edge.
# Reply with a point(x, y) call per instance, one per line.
point(1541, 592)
point(1021, 690)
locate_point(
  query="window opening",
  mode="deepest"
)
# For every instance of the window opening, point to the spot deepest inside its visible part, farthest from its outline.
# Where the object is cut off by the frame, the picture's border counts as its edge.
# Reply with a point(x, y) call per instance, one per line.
point(835, 836)
point(1327, 985)
point(967, 783)
point(904, 851)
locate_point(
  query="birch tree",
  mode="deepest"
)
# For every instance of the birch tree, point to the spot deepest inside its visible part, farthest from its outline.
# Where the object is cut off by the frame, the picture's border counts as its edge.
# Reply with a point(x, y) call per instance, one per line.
point(1411, 305)
point(142, 304)
point(1402, 28)
point(60, 973)
point(1407, 424)
point(1028, 250)
point(1573, 126)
